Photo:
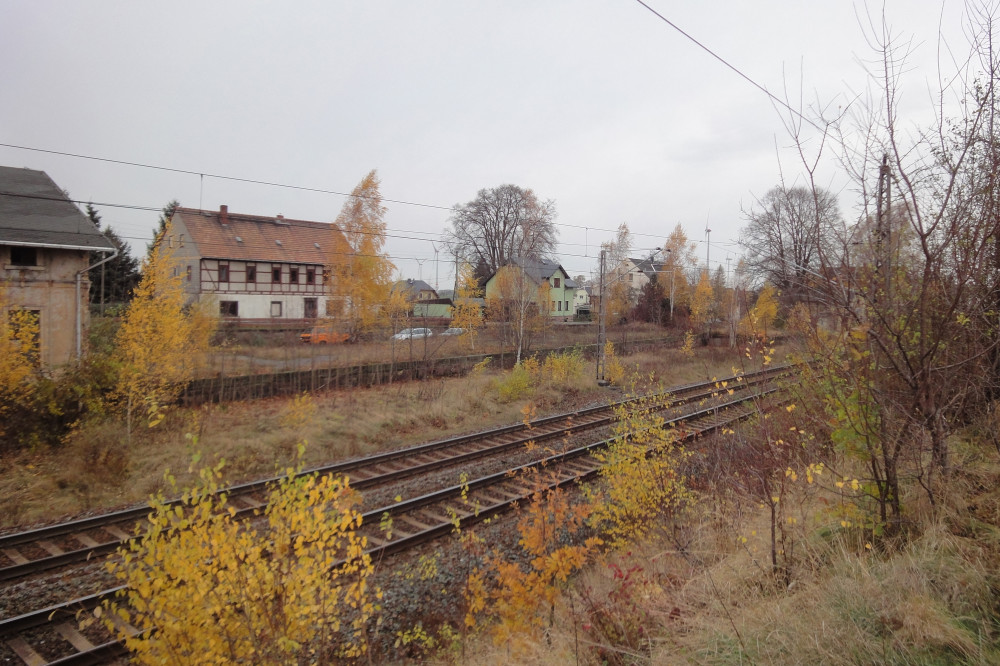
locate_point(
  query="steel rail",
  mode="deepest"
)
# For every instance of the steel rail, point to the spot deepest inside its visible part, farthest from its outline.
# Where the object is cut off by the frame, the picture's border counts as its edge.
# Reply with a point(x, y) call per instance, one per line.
point(540, 430)
point(11, 629)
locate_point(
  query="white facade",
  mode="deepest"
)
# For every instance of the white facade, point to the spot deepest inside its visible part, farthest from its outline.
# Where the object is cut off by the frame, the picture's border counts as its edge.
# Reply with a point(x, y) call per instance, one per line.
point(251, 266)
point(261, 290)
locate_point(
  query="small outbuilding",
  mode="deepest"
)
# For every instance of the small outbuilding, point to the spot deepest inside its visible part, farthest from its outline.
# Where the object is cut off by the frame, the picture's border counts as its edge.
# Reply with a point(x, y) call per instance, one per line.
point(45, 250)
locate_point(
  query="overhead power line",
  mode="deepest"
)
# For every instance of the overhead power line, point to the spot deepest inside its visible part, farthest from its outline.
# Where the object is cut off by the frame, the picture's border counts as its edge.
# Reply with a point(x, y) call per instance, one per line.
point(287, 222)
point(261, 182)
point(203, 174)
point(775, 99)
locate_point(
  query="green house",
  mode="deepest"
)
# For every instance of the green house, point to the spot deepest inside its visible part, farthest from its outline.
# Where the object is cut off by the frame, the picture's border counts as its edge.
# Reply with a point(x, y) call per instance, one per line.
point(541, 281)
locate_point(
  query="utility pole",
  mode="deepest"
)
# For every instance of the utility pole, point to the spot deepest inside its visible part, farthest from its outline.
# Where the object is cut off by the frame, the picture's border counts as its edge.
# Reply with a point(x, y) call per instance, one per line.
point(436, 284)
point(673, 267)
point(601, 332)
point(708, 248)
point(883, 251)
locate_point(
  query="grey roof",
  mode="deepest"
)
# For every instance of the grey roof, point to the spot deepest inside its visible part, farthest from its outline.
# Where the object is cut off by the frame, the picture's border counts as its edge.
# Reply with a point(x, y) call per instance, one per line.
point(35, 212)
point(412, 287)
point(538, 269)
point(647, 265)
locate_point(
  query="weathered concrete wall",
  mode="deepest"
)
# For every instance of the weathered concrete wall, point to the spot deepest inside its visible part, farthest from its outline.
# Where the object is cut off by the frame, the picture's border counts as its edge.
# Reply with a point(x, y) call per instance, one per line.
point(50, 288)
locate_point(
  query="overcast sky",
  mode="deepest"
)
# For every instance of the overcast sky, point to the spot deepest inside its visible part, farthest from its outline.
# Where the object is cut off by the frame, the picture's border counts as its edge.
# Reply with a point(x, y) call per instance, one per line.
point(598, 105)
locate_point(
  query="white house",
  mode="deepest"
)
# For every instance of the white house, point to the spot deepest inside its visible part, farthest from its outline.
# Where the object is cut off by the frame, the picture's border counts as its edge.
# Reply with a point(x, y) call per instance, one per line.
point(256, 267)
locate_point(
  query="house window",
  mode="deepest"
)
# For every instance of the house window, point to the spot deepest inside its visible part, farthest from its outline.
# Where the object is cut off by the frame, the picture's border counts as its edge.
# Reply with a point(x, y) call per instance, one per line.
point(555, 282)
point(189, 273)
point(251, 274)
point(559, 308)
point(275, 308)
point(23, 256)
point(553, 305)
point(567, 306)
point(223, 273)
point(276, 274)
point(229, 308)
point(310, 309)
point(630, 276)
point(310, 276)
point(293, 275)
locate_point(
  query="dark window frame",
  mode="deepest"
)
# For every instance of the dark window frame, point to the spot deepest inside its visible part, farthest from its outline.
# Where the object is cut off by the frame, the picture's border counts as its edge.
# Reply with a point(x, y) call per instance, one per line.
point(293, 275)
point(229, 308)
point(276, 273)
point(310, 307)
point(310, 276)
point(278, 315)
point(251, 273)
point(21, 255)
point(223, 273)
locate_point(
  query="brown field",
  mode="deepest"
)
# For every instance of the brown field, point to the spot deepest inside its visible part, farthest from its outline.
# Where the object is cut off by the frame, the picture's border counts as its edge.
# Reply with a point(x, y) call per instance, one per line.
point(263, 352)
point(96, 470)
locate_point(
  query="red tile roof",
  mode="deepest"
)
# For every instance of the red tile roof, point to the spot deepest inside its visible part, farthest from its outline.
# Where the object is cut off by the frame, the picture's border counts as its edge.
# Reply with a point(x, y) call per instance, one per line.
point(257, 238)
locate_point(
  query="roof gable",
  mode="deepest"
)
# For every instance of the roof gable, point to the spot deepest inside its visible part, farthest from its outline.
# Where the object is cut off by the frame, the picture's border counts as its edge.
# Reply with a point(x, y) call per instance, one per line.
point(224, 235)
point(413, 288)
point(35, 212)
point(647, 265)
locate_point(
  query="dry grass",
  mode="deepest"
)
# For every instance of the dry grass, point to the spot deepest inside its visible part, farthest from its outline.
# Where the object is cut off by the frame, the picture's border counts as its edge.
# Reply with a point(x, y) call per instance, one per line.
point(95, 470)
point(933, 598)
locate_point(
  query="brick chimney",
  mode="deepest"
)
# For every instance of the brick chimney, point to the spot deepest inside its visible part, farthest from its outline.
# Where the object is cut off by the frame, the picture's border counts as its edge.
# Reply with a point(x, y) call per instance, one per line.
point(224, 214)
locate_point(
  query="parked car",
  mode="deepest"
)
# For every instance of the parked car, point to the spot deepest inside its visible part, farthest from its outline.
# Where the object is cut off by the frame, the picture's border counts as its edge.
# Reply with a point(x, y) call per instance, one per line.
point(454, 331)
point(322, 335)
point(413, 333)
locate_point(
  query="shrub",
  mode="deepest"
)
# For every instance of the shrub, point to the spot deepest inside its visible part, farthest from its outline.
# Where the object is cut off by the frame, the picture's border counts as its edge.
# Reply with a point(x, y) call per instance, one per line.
point(515, 384)
point(204, 586)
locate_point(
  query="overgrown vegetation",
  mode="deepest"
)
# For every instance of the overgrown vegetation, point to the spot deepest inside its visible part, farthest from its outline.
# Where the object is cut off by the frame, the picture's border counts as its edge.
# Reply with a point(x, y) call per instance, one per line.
point(160, 341)
point(855, 521)
point(203, 585)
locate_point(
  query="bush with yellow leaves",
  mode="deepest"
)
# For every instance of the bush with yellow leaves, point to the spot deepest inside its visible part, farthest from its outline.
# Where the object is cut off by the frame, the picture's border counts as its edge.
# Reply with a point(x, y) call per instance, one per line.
point(205, 586)
point(522, 599)
point(641, 482)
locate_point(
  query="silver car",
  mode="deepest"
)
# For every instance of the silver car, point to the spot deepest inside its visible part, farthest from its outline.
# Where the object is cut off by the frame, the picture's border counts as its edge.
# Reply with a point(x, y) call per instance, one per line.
point(413, 333)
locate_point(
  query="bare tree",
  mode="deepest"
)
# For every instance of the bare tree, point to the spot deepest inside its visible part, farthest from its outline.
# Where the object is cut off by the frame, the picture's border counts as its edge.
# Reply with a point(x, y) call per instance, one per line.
point(503, 223)
point(617, 292)
point(921, 294)
point(787, 235)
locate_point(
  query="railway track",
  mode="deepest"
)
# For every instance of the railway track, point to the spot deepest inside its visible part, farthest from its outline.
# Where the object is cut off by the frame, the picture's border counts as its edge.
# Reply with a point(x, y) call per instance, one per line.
point(42, 549)
point(415, 520)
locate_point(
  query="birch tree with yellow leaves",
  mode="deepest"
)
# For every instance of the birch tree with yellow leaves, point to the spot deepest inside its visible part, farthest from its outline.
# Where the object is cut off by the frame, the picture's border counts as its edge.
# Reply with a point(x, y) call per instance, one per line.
point(467, 313)
point(360, 275)
point(160, 342)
